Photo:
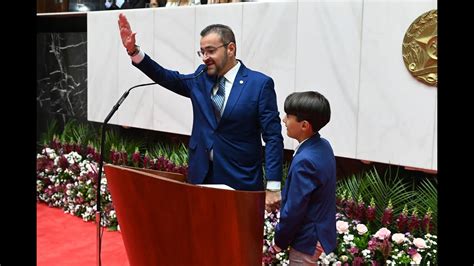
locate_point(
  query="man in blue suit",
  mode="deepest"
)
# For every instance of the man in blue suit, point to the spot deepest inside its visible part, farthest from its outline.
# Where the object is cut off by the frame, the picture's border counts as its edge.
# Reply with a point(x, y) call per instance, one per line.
point(308, 210)
point(233, 109)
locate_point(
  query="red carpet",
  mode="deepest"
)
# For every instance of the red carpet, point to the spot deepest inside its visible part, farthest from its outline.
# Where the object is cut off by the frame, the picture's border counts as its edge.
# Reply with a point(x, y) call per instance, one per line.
point(63, 239)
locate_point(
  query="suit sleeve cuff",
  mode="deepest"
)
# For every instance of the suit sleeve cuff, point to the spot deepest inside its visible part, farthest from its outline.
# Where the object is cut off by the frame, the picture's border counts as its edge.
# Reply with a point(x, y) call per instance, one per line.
point(274, 185)
point(138, 57)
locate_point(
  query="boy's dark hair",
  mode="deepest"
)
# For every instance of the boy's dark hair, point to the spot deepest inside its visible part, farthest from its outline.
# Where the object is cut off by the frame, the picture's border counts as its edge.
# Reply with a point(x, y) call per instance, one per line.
point(310, 106)
point(225, 32)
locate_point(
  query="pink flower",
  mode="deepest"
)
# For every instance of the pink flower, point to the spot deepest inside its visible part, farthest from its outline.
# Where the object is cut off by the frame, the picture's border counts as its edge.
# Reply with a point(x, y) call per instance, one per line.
point(146, 160)
point(353, 250)
point(349, 208)
point(398, 238)
point(426, 222)
point(372, 245)
point(414, 222)
point(387, 214)
point(342, 227)
point(419, 243)
point(402, 219)
point(371, 213)
point(357, 261)
point(416, 258)
point(385, 248)
point(63, 162)
point(136, 157)
point(383, 233)
point(411, 251)
point(112, 154)
point(360, 210)
point(361, 229)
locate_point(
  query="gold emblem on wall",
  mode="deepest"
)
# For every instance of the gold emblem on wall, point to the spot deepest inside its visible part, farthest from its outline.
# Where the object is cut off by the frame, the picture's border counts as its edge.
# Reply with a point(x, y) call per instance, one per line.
point(420, 48)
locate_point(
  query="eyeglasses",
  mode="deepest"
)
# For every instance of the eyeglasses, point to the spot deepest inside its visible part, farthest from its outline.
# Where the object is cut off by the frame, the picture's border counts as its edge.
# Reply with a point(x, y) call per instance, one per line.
point(210, 51)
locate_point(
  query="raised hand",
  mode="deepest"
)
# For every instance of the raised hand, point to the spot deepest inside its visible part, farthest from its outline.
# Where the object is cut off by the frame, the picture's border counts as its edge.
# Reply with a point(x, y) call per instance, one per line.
point(128, 37)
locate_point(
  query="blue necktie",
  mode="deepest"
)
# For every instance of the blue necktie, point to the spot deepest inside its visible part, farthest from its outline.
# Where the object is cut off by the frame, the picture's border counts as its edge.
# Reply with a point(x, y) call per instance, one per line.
point(218, 98)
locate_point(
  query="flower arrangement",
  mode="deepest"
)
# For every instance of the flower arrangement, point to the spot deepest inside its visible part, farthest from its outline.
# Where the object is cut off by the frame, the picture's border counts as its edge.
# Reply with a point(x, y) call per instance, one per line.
point(367, 234)
point(69, 181)
point(67, 177)
point(270, 256)
point(357, 245)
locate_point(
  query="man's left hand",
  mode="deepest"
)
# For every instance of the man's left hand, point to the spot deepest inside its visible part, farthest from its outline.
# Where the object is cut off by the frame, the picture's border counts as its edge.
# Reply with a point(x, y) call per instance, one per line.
point(272, 200)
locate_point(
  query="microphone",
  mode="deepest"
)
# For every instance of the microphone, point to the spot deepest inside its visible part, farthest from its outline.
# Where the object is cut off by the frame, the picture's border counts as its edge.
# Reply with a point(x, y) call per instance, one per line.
point(102, 145)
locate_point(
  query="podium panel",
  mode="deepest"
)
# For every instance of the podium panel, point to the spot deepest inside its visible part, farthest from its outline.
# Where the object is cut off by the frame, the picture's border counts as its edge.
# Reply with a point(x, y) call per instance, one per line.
point(168, 222)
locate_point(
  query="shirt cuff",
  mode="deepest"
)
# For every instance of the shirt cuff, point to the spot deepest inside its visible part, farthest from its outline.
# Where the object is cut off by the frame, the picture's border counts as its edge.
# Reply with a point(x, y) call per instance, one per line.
point(138, 57)
point(274, 185)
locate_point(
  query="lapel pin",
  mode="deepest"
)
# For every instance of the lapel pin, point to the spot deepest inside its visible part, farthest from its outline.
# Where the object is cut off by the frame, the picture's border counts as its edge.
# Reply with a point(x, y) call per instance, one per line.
point(241, 82)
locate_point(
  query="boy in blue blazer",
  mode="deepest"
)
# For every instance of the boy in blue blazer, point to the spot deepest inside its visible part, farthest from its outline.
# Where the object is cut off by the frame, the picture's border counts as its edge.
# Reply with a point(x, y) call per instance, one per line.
point(308, 210)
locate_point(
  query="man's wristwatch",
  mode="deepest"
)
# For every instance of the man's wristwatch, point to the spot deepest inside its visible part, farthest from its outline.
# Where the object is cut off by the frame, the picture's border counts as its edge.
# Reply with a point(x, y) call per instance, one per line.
point(135, 51)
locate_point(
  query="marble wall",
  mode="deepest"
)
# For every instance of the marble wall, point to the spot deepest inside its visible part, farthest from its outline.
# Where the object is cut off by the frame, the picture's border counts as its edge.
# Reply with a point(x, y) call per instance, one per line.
point(61, 72)
point(349, 50)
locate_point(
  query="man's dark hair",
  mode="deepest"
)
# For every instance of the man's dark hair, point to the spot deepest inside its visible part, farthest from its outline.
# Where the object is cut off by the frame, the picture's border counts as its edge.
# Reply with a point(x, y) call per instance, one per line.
point(225, 32)
point(310, 106)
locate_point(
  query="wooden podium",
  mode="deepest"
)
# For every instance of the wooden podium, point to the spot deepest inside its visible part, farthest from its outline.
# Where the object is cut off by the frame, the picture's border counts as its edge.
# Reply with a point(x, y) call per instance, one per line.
point(165, 221)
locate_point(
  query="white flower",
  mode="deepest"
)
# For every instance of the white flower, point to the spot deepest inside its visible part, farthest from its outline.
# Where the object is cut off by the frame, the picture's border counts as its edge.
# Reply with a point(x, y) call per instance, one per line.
point(419, 243)
point(348, 238)
point(73, 157)
point(366, 252)
point(361, 229)
point(382, 233)
point(398, 238)
point(49, 152)
point(342, 227)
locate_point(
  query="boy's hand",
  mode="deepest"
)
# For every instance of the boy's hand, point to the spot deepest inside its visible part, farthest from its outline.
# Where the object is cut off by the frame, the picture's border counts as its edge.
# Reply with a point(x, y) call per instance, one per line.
point(275, 249)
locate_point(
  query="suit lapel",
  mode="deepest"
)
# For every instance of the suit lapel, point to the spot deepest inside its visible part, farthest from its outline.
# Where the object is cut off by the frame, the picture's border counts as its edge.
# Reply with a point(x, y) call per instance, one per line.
point(240, 82)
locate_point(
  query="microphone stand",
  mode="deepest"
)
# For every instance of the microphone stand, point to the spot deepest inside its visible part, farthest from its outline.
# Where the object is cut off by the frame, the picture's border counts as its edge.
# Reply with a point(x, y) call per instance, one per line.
point(101, 158)
point(101, 162)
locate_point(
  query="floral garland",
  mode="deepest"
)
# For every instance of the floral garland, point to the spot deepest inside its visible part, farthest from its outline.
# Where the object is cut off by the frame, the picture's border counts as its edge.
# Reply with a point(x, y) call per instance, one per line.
point(66, 179)
point(356, 245)
point(69, 181)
